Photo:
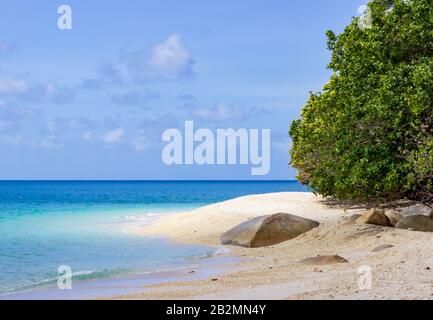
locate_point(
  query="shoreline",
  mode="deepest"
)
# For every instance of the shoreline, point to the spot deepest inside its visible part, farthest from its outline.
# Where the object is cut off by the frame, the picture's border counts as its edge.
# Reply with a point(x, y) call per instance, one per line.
point(400, 272)
point(204, 225)
point(275, 272)
point(130, 283)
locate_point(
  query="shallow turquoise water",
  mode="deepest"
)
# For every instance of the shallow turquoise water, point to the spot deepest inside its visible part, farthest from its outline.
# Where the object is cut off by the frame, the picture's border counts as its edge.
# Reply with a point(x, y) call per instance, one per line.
point(83, 225)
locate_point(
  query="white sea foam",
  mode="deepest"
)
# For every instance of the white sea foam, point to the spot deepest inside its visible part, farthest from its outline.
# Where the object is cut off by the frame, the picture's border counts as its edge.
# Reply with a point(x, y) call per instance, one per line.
point(222, 251)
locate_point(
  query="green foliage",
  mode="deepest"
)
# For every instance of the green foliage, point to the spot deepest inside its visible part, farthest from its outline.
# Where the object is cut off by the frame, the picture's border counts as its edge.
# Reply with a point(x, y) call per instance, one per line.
point(369, 134)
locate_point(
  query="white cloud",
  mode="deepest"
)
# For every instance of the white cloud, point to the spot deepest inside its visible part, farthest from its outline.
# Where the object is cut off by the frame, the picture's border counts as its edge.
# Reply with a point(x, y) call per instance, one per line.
point(87, 136)
point(168, 60)
point(113, 136)
point(170, 57)
point(12, 86)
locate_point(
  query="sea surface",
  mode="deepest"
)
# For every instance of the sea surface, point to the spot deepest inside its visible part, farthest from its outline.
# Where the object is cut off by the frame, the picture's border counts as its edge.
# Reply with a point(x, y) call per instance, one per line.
point(84, 225)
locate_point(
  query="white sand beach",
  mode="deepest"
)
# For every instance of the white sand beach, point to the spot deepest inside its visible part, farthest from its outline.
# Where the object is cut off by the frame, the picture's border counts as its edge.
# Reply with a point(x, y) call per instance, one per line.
point(404, 271)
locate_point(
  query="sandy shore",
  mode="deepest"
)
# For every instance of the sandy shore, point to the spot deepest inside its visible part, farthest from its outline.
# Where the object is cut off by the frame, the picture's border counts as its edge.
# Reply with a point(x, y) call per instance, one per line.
point(402, 272)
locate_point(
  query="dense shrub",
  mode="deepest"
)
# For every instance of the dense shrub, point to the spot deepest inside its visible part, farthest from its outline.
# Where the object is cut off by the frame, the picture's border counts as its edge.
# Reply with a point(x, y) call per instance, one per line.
point(369, 133)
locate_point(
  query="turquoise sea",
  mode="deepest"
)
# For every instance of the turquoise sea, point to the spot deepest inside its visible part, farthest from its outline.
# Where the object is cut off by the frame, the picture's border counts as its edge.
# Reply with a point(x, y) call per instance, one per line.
point(82, 224)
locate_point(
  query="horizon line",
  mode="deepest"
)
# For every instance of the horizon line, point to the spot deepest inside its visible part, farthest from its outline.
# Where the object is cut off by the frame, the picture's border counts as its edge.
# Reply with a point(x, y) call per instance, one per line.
point(142, 180)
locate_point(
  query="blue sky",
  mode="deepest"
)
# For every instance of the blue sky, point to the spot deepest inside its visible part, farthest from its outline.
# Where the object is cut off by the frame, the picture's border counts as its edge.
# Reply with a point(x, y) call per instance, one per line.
point(92, 102)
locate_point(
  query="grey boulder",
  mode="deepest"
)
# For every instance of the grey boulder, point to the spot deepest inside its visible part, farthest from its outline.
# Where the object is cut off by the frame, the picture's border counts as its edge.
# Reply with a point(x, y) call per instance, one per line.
point(418, 209)
point(416, 223)
point(267, 230)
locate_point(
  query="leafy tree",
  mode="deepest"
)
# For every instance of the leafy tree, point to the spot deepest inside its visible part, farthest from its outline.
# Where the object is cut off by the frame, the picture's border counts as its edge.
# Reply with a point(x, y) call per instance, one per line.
point(368, 135)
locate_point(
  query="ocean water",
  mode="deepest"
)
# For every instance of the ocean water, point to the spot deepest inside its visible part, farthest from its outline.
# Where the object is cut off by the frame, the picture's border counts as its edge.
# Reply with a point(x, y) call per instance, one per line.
point(83, 224)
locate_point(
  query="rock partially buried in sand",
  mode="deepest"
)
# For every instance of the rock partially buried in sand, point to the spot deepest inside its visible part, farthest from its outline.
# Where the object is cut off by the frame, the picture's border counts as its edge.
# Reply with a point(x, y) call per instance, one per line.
point(394, 217)
point(383, 247)
point(324, 260)
point(416, 223)
point(267, 230)
point(418, 209)
point(374, 216)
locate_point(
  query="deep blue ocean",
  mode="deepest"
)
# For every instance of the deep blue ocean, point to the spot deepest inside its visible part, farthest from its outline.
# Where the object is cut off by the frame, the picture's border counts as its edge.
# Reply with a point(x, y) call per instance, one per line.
point(83, 224)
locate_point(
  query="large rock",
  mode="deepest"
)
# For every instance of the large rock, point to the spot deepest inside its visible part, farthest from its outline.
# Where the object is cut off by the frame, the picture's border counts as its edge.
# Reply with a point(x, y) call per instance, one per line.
point(416, 223)
point(374, 216)
point(394, 216)
point(418, 209)
point(267, 230)
point(324, 260)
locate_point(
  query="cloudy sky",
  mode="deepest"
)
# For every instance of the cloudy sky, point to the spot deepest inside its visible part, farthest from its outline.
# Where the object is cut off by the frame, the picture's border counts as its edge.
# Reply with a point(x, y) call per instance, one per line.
point(92, 102)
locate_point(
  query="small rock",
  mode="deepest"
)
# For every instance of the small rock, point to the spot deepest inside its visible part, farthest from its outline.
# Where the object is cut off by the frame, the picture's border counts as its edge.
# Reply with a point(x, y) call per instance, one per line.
point(394, 216)
point(214, 279)
point(324, 260)
point(374, 216)
point(418, 209)
point(416, 223)
point(383, 247)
